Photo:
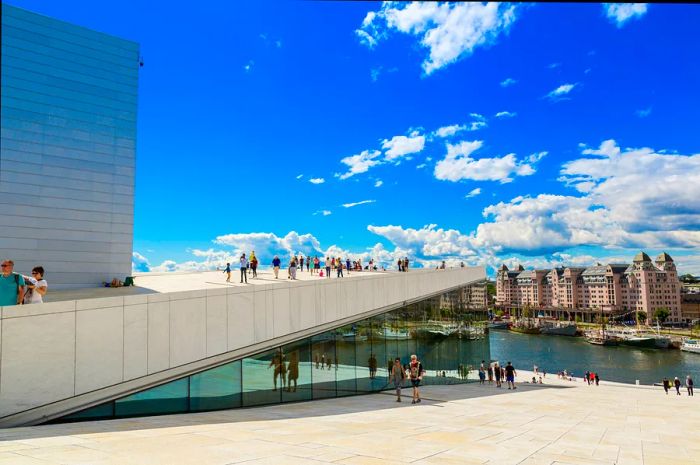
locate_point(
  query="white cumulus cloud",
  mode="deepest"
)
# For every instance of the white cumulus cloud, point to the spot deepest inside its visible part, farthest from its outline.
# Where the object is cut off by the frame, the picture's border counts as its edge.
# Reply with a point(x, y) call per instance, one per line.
point(458, 165)
point(620, 13)
point(449, 31)
point(473, 193)
point(317, 180)
point(360, 163)
point(400, 146)
point(447, 131)
point(507, 82)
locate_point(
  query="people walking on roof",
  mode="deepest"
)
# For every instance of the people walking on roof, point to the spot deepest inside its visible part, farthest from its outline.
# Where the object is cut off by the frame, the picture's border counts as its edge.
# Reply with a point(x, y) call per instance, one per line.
point(254, 264)
point(328, 267)
point(677, 385)
point(228, 272)
point(293, 268)
point(244, 268)
point(276, 262)
point(339, 268)
point(11, 285)
point(36, 286)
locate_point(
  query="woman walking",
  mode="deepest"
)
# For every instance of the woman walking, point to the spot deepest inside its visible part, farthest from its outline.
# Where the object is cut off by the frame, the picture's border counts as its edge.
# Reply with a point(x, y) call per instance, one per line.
point(254, 264)
point(398, 375)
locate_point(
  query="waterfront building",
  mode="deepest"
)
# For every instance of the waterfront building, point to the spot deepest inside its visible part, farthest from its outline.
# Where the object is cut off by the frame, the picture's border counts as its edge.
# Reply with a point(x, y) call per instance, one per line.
point(68, 124)
point(611, 290)
point(690, 307)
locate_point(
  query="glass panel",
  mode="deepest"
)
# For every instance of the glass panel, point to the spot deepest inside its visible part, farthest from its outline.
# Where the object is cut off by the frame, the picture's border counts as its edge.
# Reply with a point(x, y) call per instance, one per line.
point(217, 388)
point(380, 361)
point(345, 358)
point(297, 356)
point(168, 398)
point(366, 361)
point(323, 376)
point(264, 377)
point(98, 412)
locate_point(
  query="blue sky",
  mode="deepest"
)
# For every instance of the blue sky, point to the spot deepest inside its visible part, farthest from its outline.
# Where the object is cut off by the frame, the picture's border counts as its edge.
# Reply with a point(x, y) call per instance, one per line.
point(569, 131)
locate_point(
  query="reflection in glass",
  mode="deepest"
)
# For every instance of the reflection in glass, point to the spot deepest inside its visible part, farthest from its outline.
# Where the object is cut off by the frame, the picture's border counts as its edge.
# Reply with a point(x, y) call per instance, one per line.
point(217, 388)
point(366, 365)
point(298, 358)
point(347, 337)
point(264, 376)
point(323, 375)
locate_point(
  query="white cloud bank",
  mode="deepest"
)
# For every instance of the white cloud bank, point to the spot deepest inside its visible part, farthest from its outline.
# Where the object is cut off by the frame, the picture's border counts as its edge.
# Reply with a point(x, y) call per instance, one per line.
point(360, 163)
point(621, 13)
point(449, 31)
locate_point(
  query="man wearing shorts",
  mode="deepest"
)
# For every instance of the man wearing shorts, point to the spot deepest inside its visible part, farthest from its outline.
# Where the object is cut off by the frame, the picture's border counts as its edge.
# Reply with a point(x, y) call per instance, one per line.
point(415, 368)
point(510, 376)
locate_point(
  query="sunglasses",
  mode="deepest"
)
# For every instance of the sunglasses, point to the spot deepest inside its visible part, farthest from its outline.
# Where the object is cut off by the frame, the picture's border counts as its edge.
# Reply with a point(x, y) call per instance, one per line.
point(35, 272)
point(5, 265)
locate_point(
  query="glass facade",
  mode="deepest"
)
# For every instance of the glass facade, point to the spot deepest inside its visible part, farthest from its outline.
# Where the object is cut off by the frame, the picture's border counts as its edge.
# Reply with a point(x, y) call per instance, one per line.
point(447, 336)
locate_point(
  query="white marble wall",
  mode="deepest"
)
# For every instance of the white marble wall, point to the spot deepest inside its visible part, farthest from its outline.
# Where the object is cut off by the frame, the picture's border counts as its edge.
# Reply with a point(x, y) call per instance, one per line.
point(54, 351)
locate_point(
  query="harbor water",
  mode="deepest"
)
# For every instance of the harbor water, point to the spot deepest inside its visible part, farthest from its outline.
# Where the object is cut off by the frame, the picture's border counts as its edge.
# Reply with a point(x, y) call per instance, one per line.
point(618, 363)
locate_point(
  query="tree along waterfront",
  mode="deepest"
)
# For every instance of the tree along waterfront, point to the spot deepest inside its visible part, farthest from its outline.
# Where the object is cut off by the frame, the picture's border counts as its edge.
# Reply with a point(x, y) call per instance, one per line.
point(621, 363)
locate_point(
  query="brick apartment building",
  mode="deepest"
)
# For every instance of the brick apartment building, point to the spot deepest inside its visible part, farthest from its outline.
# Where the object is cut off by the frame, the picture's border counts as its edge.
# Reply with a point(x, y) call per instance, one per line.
point(612, 290)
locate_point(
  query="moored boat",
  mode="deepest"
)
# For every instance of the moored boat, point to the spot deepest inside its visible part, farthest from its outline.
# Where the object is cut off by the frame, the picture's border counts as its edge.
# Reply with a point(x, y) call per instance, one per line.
point(691, 345)
point(559, 330)
point(498, 325)
point(525, 329)
point(395, 334)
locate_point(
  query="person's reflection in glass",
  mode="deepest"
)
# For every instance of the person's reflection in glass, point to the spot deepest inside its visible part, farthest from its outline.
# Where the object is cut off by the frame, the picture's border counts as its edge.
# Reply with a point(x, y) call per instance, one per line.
point(293, 371)
point(280, 369)
point(372, 363)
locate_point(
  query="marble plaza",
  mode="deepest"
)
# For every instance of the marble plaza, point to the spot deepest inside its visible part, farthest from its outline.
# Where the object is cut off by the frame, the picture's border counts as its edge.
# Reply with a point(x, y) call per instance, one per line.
point(560, 422)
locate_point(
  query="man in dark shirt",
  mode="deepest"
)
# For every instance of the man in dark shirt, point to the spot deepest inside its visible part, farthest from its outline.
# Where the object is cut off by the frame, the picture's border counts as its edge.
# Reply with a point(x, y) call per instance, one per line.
point(510, 376)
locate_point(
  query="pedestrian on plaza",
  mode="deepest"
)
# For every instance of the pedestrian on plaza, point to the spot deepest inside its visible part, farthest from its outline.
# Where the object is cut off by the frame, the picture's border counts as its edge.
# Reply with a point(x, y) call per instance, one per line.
point(276, 262)
point(497, 374)
point(689, 385)
point(503, 372)
point(398, 375)
point(339, 268)
point(244, 268)
point(597, 379)
point(405, 264)
point(328, 267)
point(510, 375)
point(36, 286)
point(482, 373)
point(254, 263)
point(588, 377)
point(667, 385)
point(347, 265)
point(489, 371)
point(416, 373)
point(228, 272)
point(677, 385)
point(301, 260)
point(308, 263)
point(293, 268)
point(317, 264)
point(400, 264)
point(461, 264)
point(11, 285)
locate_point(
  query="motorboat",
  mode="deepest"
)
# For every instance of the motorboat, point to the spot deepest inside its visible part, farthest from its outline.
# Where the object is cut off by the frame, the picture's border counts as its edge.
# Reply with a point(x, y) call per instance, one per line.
point(498, 325)
point(632, 338)
point(600, 338)
point(395, 334)
point(691, 345)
